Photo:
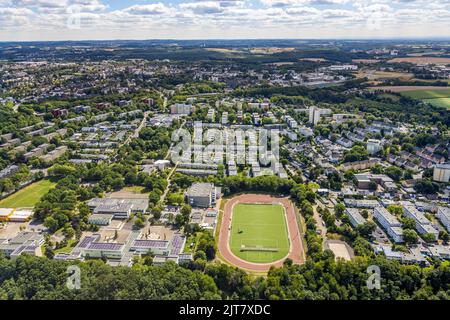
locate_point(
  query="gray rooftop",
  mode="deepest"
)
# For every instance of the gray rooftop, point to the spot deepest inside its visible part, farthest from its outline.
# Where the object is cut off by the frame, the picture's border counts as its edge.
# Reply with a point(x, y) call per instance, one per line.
point(200, 190)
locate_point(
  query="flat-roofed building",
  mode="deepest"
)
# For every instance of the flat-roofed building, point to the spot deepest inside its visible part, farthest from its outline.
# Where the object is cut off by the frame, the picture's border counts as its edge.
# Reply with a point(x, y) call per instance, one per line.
point(55, 154)
point(225, 118)
point(156, 247)
point(441, 173)
point(355, 217)
point(8, 171)
point(197, 172)
point(443, 214)
point(363, 181)
point(374, 146)
point(21, 215)
point(138, 205)
point(160, 260)
point(389, 223)
point(203, 195)
point(25, 242)
point(365, 204)
point(182, 109)
point(100, 219)
point(423, 225)
point(118, 210)
point(37, 152)
point(316, 113)
point(104, 250)
point(5, 213)
point(185, 258)
point(210, 115)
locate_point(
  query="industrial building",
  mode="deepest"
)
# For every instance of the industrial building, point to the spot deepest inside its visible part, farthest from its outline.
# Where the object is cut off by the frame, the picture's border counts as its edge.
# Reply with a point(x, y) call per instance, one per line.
point(119, 208)
point(202, 195)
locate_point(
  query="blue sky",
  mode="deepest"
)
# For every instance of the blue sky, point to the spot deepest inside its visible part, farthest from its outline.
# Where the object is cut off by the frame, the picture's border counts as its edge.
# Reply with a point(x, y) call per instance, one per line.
point(228, 19)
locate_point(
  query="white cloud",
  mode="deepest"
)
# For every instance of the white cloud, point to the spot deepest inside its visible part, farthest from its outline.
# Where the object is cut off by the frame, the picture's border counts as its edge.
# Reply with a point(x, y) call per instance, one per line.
point(203, 7)
point(226, 18)
point(148, 9)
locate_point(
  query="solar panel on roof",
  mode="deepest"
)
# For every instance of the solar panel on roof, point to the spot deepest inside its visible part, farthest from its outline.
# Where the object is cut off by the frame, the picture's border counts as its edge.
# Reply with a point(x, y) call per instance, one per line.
point(85, 242)
point(150, 243)
point(105, 246)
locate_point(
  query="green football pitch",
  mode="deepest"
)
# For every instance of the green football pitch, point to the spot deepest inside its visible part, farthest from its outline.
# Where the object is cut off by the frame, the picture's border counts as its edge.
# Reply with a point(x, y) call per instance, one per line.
point(28, 196)
point(259, 233)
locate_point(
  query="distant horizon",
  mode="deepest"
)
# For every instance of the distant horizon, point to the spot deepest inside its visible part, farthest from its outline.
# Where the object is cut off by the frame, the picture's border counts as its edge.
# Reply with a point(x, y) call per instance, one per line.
point(440, 38)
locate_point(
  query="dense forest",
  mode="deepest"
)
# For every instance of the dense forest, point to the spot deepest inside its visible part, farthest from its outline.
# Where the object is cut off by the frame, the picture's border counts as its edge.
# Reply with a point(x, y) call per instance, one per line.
point(39, 278)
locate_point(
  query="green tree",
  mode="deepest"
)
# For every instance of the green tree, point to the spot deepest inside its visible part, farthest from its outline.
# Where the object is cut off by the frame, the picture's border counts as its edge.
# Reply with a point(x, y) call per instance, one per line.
point(410, 236)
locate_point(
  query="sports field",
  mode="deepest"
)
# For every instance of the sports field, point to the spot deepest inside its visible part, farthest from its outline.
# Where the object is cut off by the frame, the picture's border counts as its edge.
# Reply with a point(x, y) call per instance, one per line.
point(28, 196)
point(259, 233)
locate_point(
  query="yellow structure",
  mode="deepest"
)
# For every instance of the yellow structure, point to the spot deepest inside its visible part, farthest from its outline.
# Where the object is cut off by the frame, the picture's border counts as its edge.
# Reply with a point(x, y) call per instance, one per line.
point(5, 213)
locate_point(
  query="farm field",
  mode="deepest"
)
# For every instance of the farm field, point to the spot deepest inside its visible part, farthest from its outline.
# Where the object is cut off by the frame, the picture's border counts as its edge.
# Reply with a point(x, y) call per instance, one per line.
point(439, 102)
point(428, 94)
point(28, 196)
point(262, 230)
point(365, 61)
point(400, 89)
point(439, 98)
point(422, 60)
point(375, 76)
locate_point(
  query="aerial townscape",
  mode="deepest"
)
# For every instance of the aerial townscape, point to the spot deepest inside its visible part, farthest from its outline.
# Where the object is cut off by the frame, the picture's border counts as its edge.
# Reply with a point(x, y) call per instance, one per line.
point(225, 169)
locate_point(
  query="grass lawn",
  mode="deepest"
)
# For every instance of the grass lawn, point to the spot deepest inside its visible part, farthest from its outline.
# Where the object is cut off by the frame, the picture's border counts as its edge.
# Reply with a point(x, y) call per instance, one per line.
point(428, 94)
point(439, 102)
point(67, 249)
point(259, 227)
point(439, 98)
point(28, 196)
point(135, 189)
point(192, 238)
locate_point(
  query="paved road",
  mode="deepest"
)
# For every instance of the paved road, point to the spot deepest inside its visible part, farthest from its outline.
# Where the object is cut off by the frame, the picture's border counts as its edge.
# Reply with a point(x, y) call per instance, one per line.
point(320, 223)
point(138, 129)
point(164, 195)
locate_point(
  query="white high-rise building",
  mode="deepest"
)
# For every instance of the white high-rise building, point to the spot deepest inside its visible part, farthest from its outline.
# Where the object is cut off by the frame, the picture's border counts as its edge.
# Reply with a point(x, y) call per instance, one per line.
point(316, 113)
point(374, 146)
point(441, 173)
point(182, 109)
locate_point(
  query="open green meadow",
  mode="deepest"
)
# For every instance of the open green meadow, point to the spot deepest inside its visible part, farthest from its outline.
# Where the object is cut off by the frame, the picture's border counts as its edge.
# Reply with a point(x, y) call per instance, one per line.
point(28, 196)
point(262, 230)
point(439, 98)
point(439, 102)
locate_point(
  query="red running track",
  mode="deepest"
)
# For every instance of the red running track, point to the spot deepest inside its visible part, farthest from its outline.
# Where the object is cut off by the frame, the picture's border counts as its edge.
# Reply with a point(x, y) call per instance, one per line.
point(296, 252)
